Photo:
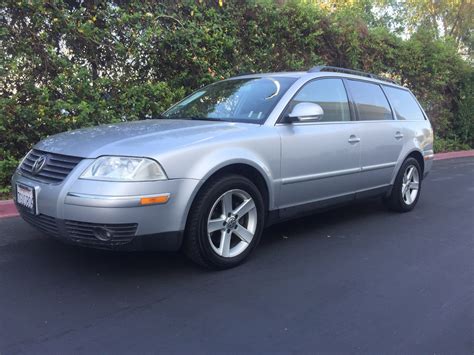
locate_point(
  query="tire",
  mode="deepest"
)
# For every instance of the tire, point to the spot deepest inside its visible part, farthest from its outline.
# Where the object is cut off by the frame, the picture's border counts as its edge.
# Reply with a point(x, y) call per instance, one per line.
point(402, 197)
point(236, 236)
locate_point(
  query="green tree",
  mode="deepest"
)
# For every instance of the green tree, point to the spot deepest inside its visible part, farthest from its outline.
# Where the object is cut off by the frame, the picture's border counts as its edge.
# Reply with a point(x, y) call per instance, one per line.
point(445, 18)
point(67, 64)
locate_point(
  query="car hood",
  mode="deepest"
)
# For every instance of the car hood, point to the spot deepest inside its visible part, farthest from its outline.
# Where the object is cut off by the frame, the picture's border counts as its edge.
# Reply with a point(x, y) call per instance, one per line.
point(138, 138)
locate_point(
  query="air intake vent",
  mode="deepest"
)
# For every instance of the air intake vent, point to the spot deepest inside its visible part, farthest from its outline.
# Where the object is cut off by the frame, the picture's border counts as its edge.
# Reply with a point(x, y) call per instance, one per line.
point(44, 223)
point(82, 233)
point(85, 233)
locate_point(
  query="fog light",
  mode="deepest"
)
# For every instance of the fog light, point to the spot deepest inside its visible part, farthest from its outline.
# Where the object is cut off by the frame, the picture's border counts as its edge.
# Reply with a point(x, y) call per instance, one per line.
point(103, 234)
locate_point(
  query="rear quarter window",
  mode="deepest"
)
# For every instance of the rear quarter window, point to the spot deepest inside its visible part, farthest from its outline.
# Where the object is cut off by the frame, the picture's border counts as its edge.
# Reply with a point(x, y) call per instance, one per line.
point(404, 104)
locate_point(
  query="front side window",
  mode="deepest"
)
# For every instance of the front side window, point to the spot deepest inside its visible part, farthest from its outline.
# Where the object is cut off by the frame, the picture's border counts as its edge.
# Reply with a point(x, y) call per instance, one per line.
point(330, 94)
point(237, 100)
point(370, 101)
point(404, 104)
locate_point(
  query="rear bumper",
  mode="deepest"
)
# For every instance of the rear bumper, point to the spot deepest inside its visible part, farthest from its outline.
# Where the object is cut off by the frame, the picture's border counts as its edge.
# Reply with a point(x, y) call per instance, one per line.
point(428, 157)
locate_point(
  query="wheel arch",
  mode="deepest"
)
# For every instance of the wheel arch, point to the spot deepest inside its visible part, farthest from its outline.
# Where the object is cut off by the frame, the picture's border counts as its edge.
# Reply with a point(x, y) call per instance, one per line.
point(249, 169)
point(419, 158)
point(415, 153)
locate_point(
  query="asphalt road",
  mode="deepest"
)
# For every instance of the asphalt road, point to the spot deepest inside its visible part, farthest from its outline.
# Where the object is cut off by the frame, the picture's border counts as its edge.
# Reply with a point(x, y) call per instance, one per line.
point(354, 280)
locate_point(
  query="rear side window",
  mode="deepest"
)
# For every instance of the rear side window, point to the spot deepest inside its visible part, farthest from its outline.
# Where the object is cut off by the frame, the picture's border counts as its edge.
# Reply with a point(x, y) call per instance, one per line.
point(370, 101)
point(404, 104)
point(330, 94)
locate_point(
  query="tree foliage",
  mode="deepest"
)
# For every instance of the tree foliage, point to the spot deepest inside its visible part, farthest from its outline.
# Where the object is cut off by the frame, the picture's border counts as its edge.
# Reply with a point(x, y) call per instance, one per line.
point(67, 64)
point(445, 18)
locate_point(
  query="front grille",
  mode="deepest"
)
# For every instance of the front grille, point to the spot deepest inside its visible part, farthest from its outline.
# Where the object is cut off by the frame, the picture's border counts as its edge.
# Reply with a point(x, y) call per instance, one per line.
point(44, 223)
point(83, 233)
point(55, 170)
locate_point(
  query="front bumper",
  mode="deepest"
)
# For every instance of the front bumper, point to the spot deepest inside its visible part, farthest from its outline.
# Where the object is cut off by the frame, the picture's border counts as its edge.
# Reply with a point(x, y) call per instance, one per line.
point(73, 209)
point(123, 235)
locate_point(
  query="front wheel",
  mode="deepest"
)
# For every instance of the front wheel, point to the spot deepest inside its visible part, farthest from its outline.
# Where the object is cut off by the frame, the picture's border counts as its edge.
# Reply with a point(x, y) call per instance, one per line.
point(407, 187)
point(225, 222)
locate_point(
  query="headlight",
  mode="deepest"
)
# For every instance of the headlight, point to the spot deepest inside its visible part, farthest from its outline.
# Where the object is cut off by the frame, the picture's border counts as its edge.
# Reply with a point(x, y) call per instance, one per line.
point(124, 169)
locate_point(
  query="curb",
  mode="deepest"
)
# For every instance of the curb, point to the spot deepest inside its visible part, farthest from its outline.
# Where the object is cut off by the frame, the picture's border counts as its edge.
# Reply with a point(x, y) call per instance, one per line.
point(8, 209)
point(452, 155)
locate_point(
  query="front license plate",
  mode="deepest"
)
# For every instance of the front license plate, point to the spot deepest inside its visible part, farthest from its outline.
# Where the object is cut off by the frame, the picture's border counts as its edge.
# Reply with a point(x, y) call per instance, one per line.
point(26, 197)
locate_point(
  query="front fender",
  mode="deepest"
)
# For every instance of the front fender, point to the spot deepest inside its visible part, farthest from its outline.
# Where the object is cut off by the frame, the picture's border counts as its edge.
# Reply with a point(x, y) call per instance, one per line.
point(255, 146)
point(211, 163)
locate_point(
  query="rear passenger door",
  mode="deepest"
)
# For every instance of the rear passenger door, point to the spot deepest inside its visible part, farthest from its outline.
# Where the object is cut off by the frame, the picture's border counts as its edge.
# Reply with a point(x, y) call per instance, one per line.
point(381, 136)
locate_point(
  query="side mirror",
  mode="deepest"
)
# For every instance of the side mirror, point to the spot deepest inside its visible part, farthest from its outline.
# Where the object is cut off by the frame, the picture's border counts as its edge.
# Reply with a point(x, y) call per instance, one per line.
point(306, 111)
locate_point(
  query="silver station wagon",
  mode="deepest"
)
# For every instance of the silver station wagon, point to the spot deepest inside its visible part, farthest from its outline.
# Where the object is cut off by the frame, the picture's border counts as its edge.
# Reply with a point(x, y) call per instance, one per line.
point(216, 168)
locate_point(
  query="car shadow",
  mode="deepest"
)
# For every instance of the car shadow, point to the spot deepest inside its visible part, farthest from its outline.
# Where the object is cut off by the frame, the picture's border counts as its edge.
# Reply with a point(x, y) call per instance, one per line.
point(46, 253)
point(322, 220)
point(152, 261)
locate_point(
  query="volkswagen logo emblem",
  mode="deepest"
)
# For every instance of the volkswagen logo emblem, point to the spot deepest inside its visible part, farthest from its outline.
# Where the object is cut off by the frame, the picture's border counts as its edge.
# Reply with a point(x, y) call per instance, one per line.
point(38, 165)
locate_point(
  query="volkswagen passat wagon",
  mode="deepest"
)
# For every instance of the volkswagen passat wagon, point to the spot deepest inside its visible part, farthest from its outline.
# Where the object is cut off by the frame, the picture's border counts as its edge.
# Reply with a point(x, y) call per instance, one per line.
point(234, 156)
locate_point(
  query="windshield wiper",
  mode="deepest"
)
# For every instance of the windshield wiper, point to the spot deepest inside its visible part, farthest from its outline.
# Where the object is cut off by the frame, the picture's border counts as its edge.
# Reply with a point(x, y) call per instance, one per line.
point(157, 117)
point(197, 118)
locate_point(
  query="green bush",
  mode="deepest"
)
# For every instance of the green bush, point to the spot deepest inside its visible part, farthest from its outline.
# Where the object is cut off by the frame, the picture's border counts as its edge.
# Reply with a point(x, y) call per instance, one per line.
point(463, 125)
point(70, 64)
point(449, 145)
point(7, 168)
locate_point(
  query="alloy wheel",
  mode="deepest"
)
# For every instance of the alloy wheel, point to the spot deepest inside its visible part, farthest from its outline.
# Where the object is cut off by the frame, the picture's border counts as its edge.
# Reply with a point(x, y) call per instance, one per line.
point(410, 184)
point(232, 223)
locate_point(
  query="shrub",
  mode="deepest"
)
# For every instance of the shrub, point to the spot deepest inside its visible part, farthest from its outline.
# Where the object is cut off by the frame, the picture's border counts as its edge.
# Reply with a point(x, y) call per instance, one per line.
point(7, 168)
point(449, 145)
point(70, 64)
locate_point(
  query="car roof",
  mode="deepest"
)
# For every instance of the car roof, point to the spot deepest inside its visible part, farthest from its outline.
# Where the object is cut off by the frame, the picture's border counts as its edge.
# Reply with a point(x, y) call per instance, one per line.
point(341, 72)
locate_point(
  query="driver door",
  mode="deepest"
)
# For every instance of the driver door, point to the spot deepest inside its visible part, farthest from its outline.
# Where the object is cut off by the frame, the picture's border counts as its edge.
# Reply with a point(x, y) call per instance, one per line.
point(320, 160)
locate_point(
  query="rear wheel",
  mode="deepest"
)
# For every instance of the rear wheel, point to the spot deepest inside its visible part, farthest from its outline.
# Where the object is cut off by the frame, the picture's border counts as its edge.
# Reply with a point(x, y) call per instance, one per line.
point(225, 222)
point(407, 187)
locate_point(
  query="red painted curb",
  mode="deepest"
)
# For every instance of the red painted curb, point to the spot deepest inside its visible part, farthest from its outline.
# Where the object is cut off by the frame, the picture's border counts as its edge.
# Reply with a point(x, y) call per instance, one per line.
point(451, 155)
point(8, 209)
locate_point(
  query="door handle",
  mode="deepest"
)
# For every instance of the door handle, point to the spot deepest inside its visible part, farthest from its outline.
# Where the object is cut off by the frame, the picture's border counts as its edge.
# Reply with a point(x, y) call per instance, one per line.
point(353, 139)
point(398, 135)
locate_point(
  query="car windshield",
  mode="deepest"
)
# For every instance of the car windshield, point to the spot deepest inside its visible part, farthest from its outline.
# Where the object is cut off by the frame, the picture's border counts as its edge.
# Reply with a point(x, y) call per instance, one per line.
point(236, 100)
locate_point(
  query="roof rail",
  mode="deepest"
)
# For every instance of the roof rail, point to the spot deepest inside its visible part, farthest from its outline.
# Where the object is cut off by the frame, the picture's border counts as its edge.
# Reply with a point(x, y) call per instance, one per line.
point(328, 68)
